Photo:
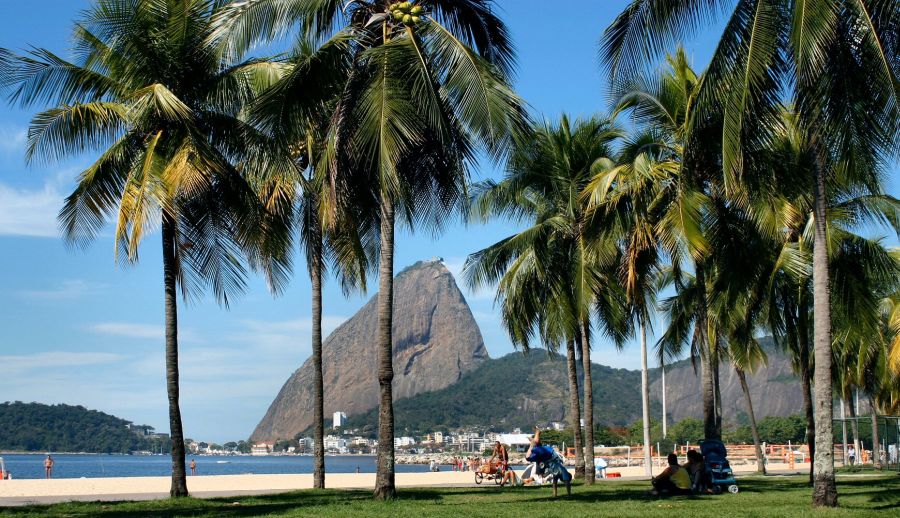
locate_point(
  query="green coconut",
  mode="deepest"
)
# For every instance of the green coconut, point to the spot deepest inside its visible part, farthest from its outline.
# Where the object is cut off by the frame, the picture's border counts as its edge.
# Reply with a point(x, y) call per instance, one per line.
point(407, 19)
point(416, 10)
point(416, 19)
point(398, 15)
point(405, 5)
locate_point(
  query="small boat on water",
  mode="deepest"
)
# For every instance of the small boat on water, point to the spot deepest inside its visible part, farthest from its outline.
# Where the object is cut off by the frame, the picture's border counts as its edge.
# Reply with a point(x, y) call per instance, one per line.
point(223, 462)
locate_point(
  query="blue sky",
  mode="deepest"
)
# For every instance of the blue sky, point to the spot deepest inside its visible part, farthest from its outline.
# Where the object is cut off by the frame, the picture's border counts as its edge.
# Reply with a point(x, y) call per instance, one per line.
point(79, 329)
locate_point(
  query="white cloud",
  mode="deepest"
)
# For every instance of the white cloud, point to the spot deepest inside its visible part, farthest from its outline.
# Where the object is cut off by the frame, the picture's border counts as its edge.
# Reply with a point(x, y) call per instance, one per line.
point(142, 331)
point(279, 335)
point(17, 365)
point(66, 290)
point(130, 330)
point(12, 139)
point(26, 212)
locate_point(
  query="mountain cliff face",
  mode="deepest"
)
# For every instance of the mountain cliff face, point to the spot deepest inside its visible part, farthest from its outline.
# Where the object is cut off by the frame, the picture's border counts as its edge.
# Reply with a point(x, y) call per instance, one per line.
point(774, 388)
point(436, 341)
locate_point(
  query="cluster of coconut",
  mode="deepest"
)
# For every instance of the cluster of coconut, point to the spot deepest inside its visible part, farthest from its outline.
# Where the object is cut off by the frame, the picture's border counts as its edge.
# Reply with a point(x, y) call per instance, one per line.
point(407, 13)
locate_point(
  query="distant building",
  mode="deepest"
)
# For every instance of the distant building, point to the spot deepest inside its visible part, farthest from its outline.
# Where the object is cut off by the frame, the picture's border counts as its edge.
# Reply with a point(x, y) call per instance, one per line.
point(261, 448)
point(517, 441)
point(438, 438)
point(556, 425)
point(403, 442)
point(339, 420)
point(472, 444)
point(142, 430)
point(335, 443)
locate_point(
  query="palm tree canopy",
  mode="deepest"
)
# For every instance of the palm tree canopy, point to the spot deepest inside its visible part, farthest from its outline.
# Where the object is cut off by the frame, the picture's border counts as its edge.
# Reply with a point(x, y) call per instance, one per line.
point(553, 259)
point(164, 110)
point(408, 103)
point(839, 61)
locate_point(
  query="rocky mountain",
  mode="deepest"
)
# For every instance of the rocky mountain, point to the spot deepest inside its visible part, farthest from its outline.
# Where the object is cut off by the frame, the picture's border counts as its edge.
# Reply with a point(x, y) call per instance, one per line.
point(436, 341)
point(444, 378)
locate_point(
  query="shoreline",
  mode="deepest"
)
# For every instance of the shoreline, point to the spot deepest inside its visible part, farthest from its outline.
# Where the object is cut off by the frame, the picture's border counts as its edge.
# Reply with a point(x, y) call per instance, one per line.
point(42, 491)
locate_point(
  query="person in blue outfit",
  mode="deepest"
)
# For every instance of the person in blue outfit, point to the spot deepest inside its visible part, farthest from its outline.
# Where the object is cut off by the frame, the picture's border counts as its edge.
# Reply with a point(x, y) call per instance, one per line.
point(548, 463)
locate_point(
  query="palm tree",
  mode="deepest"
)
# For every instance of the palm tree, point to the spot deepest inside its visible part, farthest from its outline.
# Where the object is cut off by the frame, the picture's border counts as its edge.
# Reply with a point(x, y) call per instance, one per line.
point(295, 201)
point(620, 199)
point(839, 62)
point(163, 109)
point(422, 87)
point(557, 258)
point(658, 198)
point(784, 212)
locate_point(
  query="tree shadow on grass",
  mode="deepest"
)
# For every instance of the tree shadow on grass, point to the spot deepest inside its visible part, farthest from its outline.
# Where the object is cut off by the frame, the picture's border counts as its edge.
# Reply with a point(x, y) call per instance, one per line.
point(239, 506)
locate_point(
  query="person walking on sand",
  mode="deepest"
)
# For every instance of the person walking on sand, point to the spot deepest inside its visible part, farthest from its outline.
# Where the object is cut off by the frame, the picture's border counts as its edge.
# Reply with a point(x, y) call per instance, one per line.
point(193, 467)
point(48, 466)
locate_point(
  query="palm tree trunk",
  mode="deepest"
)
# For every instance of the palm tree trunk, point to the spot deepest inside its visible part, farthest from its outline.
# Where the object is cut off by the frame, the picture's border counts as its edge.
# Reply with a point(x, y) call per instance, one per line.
point(854, 428)
point(805, 384)
point(665, 418)
point(384, 479)
point(706, 372)
point(588, 404)
point(824, 487)
point(645, 400)
point(170, 275)
point(315, 271)
point(574, 407)
point(714, 352)
point(760, 458)
point(876, 444)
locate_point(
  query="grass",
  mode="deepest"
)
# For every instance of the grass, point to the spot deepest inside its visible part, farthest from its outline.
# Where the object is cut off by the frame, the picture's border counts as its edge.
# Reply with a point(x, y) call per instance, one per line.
point(769, 496)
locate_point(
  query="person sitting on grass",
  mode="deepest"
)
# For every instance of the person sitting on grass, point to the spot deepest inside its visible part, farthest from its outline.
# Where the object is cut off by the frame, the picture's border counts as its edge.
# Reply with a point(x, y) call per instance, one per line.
point(674, 480)
point(696, 468)
point(548, 463)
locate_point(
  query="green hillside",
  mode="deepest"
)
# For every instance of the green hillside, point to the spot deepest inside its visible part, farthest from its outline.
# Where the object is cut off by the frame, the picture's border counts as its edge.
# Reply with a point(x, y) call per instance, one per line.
point(516, 390)
point(66, 428)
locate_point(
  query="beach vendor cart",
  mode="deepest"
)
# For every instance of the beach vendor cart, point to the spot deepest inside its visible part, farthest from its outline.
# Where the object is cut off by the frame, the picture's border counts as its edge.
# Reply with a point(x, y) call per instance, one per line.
point(490, 471)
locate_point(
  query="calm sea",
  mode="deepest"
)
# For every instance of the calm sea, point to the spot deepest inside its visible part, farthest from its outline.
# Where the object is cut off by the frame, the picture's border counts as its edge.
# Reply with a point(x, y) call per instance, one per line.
point(77, 466)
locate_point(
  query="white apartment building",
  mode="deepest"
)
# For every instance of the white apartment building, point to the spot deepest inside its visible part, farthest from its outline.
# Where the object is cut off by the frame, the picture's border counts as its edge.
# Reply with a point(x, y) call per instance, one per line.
point(338, 420)
point(400, 442)
point(261, 448)
point(333, 442)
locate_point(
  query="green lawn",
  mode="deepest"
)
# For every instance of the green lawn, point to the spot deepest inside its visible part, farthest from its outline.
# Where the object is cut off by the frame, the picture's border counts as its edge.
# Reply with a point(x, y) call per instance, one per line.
point(772, 496)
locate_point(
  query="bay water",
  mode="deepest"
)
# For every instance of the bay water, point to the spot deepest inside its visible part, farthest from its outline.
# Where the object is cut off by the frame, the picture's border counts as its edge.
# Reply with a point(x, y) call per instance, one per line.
point(91, 466)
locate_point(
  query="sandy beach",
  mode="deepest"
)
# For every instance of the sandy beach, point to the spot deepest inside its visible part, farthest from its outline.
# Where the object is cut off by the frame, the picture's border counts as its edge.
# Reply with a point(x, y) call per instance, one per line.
point(25, 491)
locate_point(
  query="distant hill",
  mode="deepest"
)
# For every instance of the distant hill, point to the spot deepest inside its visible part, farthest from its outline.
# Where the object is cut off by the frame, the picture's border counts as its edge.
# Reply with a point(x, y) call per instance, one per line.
point(516, 390)
point(519, 390)
point(774, 388)
point(66, 428)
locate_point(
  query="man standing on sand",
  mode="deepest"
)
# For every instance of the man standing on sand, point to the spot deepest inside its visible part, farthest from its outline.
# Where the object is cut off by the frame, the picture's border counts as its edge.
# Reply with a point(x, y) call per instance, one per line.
point(501, 455)
point(48, 466)
point(193, 467)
